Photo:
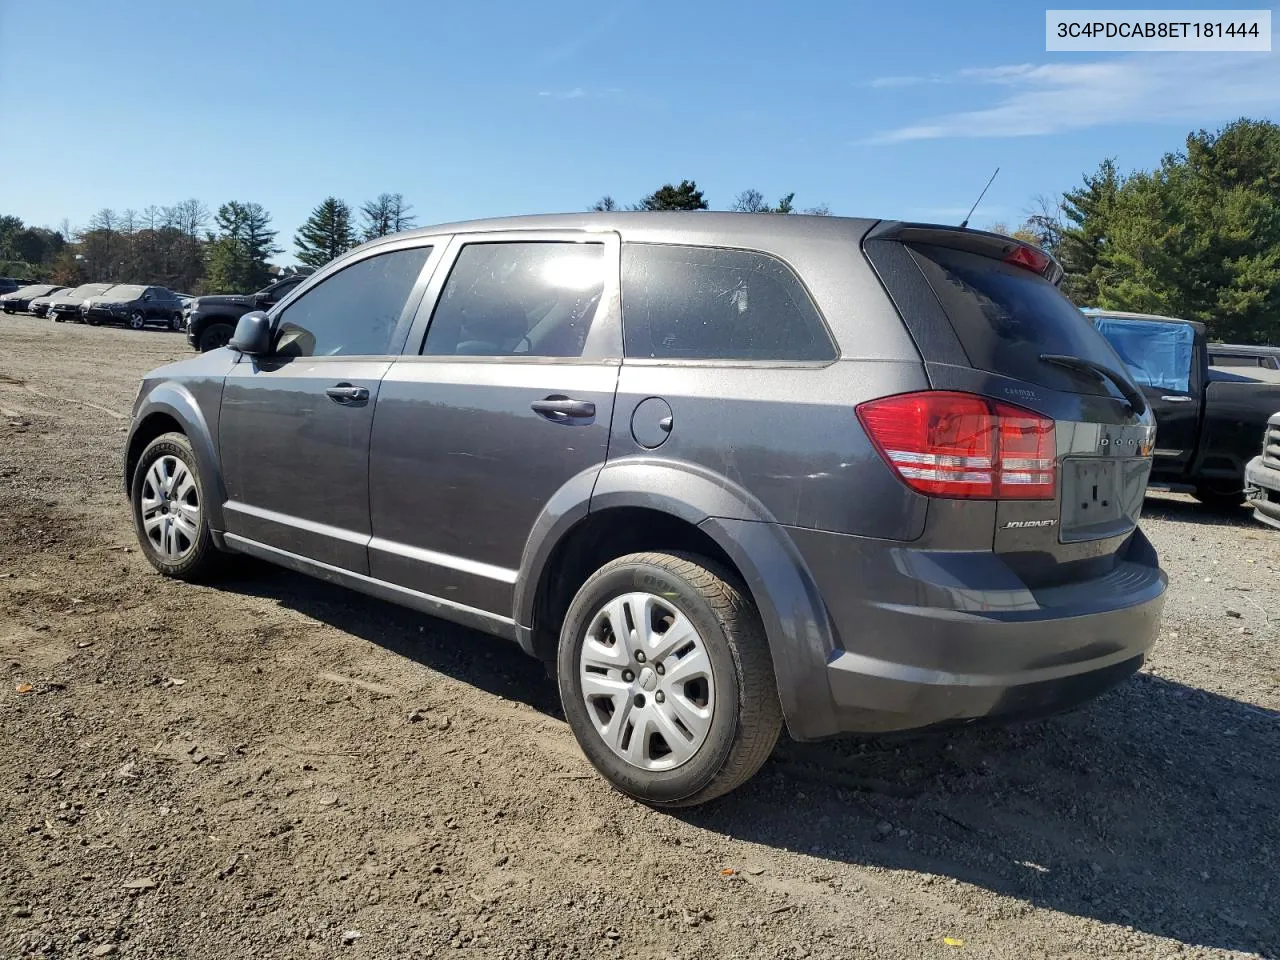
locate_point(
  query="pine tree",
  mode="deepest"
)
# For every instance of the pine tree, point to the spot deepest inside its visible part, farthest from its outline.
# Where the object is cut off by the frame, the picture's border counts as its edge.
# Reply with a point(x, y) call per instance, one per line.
point(685, 196)
point(1088, 210)
point(238, 256)
point(326, 234)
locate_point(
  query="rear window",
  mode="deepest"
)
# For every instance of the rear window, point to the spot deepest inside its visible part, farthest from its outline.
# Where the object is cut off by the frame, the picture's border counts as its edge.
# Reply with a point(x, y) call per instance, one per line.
point(710, 303)
point(1157, 354)
point(1006, 317)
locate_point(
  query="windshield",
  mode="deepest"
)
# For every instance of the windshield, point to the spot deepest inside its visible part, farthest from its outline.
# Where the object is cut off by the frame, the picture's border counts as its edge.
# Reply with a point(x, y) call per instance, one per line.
point(88, 290)
point(1006, 317)
point(1157, 354)
point(125, 291)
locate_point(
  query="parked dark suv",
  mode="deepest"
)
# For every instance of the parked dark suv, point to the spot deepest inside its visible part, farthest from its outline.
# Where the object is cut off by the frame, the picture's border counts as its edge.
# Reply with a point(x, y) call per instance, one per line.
point(721, 471)
point(135, 305)
point(66, 305)
point(19, 301)
point(212, 320)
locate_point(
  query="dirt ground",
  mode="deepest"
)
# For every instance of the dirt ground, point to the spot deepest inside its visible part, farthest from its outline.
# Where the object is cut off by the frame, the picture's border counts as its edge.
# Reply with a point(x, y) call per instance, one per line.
point(277, 768)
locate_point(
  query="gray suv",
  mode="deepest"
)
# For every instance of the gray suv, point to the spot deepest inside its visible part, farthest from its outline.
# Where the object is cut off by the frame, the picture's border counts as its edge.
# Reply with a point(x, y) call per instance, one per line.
point(719, 471)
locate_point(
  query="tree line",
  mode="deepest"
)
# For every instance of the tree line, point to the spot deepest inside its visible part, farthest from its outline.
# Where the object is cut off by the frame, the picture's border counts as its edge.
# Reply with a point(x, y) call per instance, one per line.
point(686, 196)
point(1198, 237)
point(188, 248)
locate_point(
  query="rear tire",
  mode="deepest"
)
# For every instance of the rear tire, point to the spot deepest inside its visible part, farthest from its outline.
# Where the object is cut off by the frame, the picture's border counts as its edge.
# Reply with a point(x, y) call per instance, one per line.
point(1220, 495)
point(705, 703)
point(170, 514)
point(214, 336)
point(175, 323)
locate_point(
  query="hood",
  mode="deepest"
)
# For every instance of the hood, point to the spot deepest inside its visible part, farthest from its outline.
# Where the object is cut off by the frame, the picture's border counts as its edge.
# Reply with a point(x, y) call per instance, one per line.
point(223, 300)
point(63, 301)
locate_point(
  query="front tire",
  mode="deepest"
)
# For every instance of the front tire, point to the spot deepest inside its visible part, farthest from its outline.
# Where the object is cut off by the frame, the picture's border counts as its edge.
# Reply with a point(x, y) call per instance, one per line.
point(676, 704)
point(137, 320)
point(1219, 495)
point(169, 515)
point(214, 336)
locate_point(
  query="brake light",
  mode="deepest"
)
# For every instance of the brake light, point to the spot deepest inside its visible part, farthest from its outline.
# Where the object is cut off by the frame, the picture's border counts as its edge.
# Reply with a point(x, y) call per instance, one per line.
point(964, 446)
point(1029, 257)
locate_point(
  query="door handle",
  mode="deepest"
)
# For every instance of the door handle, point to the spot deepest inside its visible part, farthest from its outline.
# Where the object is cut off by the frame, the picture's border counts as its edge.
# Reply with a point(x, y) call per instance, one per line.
point(564, 409)
point(1173, 399)
point(345, 393)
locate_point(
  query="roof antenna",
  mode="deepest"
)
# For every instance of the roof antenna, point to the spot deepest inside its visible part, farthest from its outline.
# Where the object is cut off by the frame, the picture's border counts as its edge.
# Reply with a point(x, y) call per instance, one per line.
point(965, 222)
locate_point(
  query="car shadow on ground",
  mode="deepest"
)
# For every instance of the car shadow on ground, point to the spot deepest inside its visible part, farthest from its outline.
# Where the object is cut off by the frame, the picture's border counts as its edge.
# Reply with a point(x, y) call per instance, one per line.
point(1156, 807)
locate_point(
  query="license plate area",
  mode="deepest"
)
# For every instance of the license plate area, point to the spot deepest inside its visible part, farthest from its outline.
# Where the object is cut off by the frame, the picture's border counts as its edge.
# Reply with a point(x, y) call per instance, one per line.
point(1101, 497)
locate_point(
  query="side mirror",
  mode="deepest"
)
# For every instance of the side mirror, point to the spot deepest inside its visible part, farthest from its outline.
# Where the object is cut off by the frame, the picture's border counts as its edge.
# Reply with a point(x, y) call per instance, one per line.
point(253, 335)
point(263, 300)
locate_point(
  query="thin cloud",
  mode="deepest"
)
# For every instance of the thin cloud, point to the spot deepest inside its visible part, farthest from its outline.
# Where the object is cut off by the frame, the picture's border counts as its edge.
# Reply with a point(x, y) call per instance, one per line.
point(907, 81)
point(1144, 88)
point(577, 93)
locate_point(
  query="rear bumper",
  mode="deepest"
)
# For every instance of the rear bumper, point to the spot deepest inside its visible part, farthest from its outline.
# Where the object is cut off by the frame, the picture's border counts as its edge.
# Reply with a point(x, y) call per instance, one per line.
point(1262, 488)
point(927, 638)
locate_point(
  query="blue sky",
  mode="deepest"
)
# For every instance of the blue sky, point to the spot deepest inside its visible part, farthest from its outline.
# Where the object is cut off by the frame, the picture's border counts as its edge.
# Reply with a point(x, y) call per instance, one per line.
point(486, 108)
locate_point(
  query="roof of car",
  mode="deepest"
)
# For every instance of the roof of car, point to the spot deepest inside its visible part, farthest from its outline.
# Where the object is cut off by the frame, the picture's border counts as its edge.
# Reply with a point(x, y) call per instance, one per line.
point(1126, 315)
point(673, 225)
point(1244, 349)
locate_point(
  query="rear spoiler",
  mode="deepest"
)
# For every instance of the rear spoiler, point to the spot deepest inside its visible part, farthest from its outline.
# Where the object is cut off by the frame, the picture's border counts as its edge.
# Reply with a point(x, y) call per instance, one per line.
point(984, 244)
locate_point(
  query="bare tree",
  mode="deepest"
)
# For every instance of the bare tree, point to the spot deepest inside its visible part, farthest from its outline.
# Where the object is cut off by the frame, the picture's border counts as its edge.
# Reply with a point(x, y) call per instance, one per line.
point(1044, 222)
point(402, 217)
point(751, 201)
point(386, 214)
point(604, 204)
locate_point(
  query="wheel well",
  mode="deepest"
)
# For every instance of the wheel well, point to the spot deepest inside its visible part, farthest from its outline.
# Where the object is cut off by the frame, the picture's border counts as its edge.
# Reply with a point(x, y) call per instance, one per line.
point(150, 428)
point(593, 542)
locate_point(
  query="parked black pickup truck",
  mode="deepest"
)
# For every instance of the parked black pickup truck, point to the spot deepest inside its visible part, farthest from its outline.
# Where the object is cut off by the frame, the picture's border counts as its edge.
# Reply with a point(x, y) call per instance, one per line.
point(1208, 419)
point(212, 320)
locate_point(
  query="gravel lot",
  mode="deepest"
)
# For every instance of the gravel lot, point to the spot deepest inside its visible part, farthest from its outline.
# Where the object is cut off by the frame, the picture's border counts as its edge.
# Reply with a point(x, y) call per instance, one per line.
point(276, 768)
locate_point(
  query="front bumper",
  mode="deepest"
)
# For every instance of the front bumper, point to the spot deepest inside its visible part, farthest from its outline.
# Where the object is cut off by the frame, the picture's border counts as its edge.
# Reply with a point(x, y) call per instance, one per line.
point(103, 315)
point(928, 638)
point(1262, 490)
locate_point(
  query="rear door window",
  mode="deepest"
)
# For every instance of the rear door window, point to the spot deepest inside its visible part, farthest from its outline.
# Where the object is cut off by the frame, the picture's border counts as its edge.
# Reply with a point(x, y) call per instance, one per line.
point(516, 299)
point(1005, 317)
point(710, 303)
point(1157, 354)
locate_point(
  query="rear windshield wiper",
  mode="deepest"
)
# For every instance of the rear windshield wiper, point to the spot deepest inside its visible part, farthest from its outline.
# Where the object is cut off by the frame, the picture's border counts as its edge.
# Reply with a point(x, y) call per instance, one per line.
point(1100, 372)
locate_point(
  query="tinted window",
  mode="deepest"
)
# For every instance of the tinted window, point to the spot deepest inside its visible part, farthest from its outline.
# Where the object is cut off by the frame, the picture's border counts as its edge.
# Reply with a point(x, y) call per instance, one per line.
point(1157, 354)
point(518, 299)
point(1006, 317)
point(354, 312)
point(707, 303)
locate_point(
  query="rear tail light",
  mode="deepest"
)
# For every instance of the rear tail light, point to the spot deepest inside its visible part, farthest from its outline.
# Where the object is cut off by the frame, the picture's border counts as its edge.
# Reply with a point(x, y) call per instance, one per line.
point(964, 446)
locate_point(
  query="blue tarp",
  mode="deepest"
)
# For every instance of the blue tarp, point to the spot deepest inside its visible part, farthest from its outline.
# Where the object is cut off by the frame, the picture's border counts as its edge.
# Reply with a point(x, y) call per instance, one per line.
point(1157, 354)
